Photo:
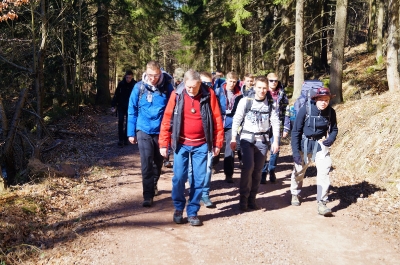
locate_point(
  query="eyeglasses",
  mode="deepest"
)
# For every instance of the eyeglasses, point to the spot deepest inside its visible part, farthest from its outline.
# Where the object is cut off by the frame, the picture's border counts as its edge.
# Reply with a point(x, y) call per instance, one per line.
point(273, 81)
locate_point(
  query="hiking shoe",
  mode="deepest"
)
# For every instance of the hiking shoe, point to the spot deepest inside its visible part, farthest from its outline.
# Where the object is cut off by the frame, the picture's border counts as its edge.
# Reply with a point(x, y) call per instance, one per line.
point(194, 221)
point(155, 190)
point(207, 202)
point(229, 179)
point(272, 176)
point(147, 203)
point(167, 164)
point(263, 179)
point(295, 200)
point(243, 204)
point(120, 144)
point(253, 205)
point(323, 209)
point(178, 217)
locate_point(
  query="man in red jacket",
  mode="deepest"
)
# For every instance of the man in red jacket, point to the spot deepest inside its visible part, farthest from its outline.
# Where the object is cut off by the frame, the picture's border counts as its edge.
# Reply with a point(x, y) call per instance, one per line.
point(197, 129)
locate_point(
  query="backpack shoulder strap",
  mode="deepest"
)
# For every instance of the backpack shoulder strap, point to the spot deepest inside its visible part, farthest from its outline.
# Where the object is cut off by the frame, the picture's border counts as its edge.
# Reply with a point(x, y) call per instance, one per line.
point(249, 103)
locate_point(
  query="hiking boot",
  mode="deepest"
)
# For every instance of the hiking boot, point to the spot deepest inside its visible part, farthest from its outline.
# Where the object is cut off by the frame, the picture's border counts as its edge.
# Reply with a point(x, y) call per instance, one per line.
point(295, 200)
point(229, 179)
point(120, 144)
point(323, 209)
point(207, 202)
point(194, 221)
point(243, 204)
point(147, 203)
point(263, 179)
point(253, 205)
point(167, 164)
point(178, 217)
point(272, 176)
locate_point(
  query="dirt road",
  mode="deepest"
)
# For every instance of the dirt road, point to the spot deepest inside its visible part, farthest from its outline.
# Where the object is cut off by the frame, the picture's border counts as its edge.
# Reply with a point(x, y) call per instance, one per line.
point(118, 230)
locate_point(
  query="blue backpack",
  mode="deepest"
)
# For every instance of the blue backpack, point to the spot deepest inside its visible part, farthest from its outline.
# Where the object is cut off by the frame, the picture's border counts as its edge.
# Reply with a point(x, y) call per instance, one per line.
point(308, 90)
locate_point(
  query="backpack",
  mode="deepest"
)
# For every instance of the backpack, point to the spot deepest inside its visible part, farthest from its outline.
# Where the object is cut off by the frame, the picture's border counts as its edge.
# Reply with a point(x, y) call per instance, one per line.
point(249, 103)
point(308, 90)
point(164, 90)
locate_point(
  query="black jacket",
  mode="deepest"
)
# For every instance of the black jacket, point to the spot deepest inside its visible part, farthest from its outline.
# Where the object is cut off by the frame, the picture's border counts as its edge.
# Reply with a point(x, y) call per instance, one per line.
point(122, 94)
point(320, 122)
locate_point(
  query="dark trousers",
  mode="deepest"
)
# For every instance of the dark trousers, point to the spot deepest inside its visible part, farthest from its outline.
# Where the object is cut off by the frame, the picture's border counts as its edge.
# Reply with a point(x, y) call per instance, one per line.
point(229, 154)
point(122, 123)
point(151, 160)
point(253, 161)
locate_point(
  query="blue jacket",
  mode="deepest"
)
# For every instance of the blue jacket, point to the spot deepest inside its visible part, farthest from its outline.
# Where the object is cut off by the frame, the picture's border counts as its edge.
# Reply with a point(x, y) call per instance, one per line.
point(146, 116)
point(221, 94)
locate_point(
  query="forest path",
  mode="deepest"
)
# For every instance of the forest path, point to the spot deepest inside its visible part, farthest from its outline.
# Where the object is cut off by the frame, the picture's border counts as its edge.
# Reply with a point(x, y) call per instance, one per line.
point(120, 231)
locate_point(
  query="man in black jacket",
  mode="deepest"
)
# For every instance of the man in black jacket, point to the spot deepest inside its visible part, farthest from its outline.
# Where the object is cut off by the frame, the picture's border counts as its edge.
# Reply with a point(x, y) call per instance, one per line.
point(121, 100)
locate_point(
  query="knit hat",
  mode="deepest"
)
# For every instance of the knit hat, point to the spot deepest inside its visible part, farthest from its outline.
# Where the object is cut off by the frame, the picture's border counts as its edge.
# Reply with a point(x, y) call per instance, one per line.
point(323, 91)
point(178, 74)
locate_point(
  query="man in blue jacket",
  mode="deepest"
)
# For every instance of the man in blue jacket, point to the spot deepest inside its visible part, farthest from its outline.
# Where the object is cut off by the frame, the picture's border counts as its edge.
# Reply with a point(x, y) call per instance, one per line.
point(146, 110)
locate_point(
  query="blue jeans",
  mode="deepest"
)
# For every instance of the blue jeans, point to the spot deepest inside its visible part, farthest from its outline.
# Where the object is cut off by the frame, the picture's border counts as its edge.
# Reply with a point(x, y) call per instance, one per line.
point(273, 160)
point(187, 158)
point(207, 179)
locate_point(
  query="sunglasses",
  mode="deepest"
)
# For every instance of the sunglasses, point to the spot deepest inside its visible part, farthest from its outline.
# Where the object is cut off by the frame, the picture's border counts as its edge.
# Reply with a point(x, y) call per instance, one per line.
point(273, 81)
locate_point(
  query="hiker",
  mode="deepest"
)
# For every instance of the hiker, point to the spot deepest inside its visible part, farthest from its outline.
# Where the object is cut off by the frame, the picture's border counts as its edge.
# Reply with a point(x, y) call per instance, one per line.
point(314, 131)
point(281, 101)
point(120, 103)
point(196, 122)
point(247, 84)
point(146, 109)
point(229, 96)
point(256, 114)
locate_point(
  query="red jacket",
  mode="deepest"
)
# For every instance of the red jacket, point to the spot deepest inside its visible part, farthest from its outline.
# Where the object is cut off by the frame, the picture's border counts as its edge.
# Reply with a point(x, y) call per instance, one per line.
point(210, 113)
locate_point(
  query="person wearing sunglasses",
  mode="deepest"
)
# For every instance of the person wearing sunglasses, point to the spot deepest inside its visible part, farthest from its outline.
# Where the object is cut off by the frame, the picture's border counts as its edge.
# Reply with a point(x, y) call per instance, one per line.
point(280, 103)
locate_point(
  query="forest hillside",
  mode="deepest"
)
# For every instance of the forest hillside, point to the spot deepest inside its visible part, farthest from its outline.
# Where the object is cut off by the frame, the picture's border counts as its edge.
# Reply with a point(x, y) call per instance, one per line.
point(365, 179)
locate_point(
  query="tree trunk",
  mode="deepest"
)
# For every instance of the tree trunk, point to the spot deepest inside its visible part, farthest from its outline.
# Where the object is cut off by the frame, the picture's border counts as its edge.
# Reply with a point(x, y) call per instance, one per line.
point(282, 68)
point(8, 148)
point(299, 50)
point(324, 41)
point(338, 51)
point(316, 39)
point(379, 33)
point(211, 53)
point(393, 47)
point(103, 93)
point(371, 25)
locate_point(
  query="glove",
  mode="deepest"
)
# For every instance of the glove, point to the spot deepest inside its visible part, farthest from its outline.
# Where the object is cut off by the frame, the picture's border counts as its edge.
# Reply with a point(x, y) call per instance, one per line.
point(297, 160)
point(327, 142)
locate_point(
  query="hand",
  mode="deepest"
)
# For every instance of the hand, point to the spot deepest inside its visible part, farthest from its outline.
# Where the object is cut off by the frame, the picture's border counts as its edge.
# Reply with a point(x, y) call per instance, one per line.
point(233, 145)
point(132, 139)
point(164, 152)
point(275, 147)
point(327, 142)
point(112, 109)
point(297, 160)
point(284, 134)
point(216, 151)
